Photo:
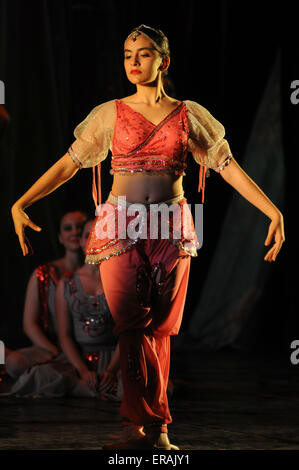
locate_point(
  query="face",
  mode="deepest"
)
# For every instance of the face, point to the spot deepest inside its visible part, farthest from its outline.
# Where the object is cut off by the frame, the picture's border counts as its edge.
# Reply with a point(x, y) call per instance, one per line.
point(140, 56)
point(85, 234)
point(71, 227)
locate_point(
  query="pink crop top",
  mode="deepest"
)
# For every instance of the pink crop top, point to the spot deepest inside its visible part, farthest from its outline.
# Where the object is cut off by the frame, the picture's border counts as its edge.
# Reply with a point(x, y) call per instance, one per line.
point(138, 145)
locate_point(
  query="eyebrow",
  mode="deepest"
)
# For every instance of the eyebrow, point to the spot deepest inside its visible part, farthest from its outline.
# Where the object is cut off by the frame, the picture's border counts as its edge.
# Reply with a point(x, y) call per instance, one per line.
point(140, 49)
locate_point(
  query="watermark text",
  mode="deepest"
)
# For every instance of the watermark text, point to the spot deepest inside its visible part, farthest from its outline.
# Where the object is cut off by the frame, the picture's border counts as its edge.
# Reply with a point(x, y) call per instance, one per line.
point(2, 92)
point(2, 353)
point(295, 94)
point(153, 221)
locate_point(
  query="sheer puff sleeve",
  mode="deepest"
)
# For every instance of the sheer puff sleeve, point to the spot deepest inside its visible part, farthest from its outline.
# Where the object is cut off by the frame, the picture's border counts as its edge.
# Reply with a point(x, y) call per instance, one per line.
point(93, 136)
point(93, 141)
point(206, 141)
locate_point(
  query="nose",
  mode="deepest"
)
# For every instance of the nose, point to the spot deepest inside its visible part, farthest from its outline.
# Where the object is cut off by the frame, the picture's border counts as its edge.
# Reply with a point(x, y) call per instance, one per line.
point(77, 231)
point(135, 60)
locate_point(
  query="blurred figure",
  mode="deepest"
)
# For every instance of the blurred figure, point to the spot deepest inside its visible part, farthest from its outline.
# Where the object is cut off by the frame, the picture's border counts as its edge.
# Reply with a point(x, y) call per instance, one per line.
point(39, 317)
point(88, 365)
point(85, 328)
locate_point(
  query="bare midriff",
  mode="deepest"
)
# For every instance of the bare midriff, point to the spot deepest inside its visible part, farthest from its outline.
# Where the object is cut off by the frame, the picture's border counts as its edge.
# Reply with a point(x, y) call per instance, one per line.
point(143, 188)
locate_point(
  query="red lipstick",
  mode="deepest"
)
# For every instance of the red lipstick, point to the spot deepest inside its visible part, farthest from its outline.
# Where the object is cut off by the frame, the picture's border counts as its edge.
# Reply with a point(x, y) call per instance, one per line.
point(135, 71)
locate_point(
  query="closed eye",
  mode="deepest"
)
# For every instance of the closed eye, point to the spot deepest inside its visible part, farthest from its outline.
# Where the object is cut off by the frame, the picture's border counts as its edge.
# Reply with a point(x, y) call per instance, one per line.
point(142, 55)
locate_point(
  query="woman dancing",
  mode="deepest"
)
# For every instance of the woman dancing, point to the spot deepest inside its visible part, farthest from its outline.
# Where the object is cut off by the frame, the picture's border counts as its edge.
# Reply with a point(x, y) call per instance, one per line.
point(145, 278)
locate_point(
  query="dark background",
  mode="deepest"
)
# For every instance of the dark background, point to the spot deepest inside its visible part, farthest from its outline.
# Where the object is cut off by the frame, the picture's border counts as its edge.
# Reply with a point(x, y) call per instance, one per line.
point(60, 58)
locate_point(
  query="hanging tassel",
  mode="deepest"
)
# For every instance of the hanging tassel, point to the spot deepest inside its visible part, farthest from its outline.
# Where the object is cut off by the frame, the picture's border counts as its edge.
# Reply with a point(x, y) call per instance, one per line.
point(199, 180)
point(99, 184)
point(201, 183)
point(96, 191)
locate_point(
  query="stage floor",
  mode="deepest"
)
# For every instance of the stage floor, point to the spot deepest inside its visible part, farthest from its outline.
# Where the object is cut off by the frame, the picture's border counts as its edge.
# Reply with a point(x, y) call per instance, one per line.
point(222, 400)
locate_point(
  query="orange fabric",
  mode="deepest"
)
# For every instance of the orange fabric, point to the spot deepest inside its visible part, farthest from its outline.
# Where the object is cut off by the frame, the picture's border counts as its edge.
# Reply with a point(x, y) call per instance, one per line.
point(145, 289)
point(96, 187)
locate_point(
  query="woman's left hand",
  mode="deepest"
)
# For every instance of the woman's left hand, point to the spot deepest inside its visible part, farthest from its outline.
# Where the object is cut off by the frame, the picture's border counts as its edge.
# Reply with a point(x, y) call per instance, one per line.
point(107, 381)
point(276, 230)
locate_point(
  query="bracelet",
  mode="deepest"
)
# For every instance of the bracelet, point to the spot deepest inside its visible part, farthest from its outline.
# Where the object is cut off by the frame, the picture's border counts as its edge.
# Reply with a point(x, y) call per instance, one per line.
point(225, 163)
point(74, 157)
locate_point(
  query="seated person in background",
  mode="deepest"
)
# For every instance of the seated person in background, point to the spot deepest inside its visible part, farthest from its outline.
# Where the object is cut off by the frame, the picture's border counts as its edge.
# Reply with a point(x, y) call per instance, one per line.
point(85, 328)
point(88, 365)
point(39, 318)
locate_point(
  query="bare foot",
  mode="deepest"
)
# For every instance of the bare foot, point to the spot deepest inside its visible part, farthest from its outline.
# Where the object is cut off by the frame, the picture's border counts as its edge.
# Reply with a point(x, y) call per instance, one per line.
point(150, 441)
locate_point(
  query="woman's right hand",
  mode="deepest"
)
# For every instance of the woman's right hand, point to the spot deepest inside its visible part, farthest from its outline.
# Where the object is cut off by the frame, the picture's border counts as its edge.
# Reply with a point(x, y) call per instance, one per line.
point(90, 378)
point(54, 352)
point(21, 221)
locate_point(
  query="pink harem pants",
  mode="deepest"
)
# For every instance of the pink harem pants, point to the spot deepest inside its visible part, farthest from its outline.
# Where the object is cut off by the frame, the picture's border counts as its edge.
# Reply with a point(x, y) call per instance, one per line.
point(145, 289)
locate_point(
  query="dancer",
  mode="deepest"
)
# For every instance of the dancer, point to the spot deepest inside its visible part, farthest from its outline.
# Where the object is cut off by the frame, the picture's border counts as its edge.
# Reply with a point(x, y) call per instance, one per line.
point(39, 317)
point(145, 278)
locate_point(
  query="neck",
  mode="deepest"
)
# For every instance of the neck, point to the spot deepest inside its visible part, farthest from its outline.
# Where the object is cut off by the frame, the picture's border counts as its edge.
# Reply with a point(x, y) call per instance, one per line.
point(73, 260)
point(151, 93)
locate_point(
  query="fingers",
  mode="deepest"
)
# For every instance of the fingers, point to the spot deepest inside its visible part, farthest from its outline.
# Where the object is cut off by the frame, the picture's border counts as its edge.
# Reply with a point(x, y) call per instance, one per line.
point(91, 384)
point(20, 231)
point(275, 230)
point(277, 249)
point(33, 226)
point(28, 245)
point(23, 244)
point(269, 236)
point(92, 380)
point(273, 252)
point(107, 383)
point(106, 388)
point(269, 255)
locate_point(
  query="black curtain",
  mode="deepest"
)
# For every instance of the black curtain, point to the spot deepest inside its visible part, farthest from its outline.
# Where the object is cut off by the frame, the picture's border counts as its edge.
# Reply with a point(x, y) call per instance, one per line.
point(60, 58)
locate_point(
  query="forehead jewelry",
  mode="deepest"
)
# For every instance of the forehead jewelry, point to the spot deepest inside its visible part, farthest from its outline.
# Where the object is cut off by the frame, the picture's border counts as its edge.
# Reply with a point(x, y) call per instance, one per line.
point(134, 35)
point(137, 32)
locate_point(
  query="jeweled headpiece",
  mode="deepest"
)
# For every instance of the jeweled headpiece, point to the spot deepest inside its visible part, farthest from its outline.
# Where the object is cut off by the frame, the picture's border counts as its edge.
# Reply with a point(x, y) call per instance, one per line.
point(155, 36)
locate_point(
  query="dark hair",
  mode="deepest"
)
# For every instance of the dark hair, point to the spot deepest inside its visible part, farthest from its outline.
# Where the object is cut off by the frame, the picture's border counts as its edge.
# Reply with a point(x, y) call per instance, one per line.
point(160, 41)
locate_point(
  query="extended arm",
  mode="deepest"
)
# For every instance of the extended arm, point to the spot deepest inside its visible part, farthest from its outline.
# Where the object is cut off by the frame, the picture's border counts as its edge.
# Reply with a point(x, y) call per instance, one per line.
point(63, 170)
point(238, 179)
